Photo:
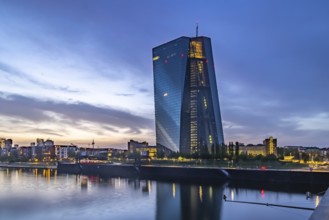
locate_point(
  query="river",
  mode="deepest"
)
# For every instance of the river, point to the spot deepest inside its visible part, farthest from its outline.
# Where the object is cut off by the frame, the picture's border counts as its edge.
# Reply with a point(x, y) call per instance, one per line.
point(42, 194)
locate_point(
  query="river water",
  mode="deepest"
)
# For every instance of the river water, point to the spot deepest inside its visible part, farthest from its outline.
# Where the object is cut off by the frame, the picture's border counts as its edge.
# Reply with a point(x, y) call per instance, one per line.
point(45, 195)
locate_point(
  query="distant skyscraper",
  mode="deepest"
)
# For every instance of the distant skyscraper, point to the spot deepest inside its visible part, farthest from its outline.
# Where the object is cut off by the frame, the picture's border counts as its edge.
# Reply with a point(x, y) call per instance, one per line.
point(187, 112)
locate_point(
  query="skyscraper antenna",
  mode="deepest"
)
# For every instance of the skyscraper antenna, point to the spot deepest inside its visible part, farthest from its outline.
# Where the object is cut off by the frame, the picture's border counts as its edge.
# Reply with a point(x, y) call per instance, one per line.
point(197, 28)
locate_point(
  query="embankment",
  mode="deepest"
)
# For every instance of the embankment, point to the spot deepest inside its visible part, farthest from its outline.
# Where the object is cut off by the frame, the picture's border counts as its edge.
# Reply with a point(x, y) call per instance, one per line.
point(206, 174)
point(29, 165)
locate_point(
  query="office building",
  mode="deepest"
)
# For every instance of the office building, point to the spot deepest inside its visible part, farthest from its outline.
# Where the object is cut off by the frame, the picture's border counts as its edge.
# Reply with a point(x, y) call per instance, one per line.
point(270, 145)
point(187, 112)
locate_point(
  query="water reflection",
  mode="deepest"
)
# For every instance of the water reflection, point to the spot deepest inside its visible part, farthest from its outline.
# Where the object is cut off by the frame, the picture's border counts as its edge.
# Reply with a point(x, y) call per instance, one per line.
point(43, 194)
point(317, 201)
point(185, 201)
point(145, 186)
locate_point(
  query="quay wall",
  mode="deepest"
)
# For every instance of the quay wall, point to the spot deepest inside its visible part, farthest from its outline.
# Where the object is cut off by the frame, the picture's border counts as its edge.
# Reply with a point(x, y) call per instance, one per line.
point(198, 173)
point(280, 176)
point(193, 174)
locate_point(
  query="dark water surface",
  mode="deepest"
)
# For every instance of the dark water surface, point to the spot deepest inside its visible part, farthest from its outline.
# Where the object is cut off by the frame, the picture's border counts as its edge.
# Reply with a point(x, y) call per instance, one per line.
point(42, 194)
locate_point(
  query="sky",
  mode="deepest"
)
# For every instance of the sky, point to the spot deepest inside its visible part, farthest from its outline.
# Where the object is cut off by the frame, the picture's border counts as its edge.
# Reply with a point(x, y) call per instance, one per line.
point(78, 70)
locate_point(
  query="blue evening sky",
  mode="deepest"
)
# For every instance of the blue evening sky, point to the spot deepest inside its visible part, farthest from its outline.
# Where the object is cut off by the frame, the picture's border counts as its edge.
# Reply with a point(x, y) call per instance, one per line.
point(77, 70)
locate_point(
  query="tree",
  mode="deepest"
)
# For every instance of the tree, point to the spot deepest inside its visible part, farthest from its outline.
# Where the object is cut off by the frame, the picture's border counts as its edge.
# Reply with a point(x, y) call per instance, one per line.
point(270, 157)
point(218, 153)
point(205, 155)
point(305, 157)
point(280, 152)
point(160, 154)
point(212, 149)
point(259, 157)
point(318, 158)
point(174, 155)
point(243, 157)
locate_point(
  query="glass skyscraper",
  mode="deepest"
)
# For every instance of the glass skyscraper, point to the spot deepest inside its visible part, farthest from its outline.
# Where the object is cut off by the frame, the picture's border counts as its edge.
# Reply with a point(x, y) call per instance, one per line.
point(187, 112)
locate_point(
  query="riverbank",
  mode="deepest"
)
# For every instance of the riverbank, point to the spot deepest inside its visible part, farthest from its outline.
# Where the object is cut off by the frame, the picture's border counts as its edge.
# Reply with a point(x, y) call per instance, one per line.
point(247, 164)
point(185, 173)
point(222, 164)
point(203, 174)
point(39, 165)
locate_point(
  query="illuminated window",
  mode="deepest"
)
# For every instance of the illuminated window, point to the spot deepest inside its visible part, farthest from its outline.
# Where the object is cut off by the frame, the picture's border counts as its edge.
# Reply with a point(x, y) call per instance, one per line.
point(156, 58)
point(195, 49)
point(205, 102)
point(200, 67)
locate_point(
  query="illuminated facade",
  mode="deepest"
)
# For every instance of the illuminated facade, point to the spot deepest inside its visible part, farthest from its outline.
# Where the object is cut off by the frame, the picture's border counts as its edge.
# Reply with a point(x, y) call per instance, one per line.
point(142, 148)
point(270, 145)
point(253, 150)
point(134, 145)
point(187, 112)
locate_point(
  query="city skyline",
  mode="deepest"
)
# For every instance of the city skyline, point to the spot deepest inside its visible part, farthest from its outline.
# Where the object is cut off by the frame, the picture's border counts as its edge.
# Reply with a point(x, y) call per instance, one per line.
point(76, 72)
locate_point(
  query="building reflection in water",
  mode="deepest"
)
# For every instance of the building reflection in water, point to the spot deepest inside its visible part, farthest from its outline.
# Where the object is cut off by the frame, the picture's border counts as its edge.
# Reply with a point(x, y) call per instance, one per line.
point(145, 186)
point(317, 201)
point(17, 172)
point(183, 201)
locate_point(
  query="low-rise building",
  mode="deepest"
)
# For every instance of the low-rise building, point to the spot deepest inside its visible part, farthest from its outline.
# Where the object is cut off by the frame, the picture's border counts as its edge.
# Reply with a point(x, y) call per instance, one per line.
point(253, 150)
point(117, 153)
point(142, 149)
point(26, 151)
point(91, 152)
point(65, 151)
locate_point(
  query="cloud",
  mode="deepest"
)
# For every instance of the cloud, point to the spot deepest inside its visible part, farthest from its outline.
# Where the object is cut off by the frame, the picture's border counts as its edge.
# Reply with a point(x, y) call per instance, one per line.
point(17, 76)
point(28, 115)
point(37, 110)
point(144, 90)
point(45, 132)
point(231, 125)
point(124, 94)
point(317, 122)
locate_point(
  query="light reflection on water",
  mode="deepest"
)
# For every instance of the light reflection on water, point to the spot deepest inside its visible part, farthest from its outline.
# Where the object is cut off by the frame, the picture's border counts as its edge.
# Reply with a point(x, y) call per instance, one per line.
point(42, 194)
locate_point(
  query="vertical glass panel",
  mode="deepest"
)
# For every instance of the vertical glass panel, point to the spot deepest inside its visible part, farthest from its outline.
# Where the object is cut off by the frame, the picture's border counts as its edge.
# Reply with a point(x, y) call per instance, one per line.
point(169, 70)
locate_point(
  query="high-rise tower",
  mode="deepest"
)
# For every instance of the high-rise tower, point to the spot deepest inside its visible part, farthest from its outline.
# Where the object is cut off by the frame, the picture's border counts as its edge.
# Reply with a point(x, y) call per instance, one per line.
point(187, 112)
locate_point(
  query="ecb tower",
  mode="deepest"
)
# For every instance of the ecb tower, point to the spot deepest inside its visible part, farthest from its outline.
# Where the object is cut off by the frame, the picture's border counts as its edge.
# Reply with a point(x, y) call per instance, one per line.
point(187, 113)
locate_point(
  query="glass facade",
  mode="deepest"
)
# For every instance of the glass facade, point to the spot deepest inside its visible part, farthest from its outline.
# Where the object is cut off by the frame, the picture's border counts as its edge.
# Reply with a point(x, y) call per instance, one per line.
point(187, 110)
